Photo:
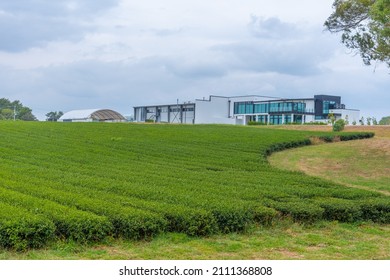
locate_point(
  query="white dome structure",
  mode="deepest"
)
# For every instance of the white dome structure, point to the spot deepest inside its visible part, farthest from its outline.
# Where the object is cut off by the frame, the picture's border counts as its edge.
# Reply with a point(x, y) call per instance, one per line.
point(92, 115)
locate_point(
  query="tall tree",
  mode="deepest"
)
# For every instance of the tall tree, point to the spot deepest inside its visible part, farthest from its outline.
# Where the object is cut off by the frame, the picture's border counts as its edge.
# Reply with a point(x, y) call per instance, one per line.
point(385, 121)
point(53, 116)
point(365, 27)
point(15, 110)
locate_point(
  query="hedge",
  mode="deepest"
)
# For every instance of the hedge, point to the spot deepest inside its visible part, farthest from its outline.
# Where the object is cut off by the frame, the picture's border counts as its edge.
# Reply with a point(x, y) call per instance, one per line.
point(21, 230)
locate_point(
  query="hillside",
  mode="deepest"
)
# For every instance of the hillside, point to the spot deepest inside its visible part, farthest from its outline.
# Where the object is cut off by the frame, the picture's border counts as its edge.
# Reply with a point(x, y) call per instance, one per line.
point(85, 182)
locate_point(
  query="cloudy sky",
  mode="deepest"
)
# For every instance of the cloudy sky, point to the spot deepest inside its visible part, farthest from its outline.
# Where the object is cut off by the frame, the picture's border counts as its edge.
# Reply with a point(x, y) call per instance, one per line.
point(116, 54)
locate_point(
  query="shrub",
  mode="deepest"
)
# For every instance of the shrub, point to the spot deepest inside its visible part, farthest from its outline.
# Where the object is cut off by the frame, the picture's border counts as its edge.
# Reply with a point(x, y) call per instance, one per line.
point(264, 215)
point(339, 125)
point(70, 223)
point(256, 123)
point(315, 123)
point(21, 230)
point(286, 145)
point(377, 210)
point(299, 210)
point(340, 209)
point(327, 138)
point(356, 136)
point(190, 221)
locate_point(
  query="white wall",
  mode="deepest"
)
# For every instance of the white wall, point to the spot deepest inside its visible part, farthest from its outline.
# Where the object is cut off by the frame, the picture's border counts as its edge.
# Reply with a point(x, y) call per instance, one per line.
point(353, 115)
point(214, 110)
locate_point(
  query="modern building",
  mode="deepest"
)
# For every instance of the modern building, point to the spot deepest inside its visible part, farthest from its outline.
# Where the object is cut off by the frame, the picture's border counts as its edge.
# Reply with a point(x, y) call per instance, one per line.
point(242, 109)
point(92, 115)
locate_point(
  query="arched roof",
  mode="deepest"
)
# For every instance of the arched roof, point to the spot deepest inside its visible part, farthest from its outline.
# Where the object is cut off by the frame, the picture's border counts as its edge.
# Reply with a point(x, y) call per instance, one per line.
point(95, 114)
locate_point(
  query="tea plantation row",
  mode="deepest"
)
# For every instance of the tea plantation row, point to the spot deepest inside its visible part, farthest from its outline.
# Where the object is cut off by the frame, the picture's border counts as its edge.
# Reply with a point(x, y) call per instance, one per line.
point(85, 182)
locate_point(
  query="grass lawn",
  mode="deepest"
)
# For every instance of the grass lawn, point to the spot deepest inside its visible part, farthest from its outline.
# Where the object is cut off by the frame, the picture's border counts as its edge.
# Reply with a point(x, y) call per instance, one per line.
point(361, 164)
point(287, 240)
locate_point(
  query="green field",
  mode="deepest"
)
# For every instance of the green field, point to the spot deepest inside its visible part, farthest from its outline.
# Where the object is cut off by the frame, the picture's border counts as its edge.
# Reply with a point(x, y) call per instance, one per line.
point(94, 182)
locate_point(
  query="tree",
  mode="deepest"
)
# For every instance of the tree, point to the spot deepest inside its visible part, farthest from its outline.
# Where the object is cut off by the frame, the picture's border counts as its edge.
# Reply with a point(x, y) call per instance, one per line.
point(365, 27)
point(53, 116)
point(15, 110)
point(339, 125)
point(346, 120)
point(331, 118)
point(385, 121)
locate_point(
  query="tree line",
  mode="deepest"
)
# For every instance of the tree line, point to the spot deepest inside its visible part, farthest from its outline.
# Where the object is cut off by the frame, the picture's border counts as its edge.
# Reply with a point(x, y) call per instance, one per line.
point(15, 111)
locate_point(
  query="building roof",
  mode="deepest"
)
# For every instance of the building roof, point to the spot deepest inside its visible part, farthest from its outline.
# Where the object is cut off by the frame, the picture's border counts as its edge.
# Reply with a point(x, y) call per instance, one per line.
point(95, 114)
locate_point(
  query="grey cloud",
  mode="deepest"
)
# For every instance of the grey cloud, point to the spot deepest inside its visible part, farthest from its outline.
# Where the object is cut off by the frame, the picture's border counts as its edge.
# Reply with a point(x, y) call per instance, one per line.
point(166, 32)
point(57, 7)
point(279, 47)
point(26, 24)
point(197, 68)
point(271, 28)
point(121, 85)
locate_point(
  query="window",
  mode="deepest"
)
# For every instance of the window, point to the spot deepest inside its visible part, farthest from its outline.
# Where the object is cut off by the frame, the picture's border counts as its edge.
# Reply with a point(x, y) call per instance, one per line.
point(261, 108)
point(243, 108)
point(275, 119)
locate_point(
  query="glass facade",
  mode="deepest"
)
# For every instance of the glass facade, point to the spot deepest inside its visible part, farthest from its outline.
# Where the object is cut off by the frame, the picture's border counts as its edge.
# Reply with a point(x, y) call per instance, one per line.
point(269, 107)
point(326, 105)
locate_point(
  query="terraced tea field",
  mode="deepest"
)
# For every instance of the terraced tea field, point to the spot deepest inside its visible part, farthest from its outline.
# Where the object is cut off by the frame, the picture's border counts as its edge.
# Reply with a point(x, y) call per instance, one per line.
point(85, 182)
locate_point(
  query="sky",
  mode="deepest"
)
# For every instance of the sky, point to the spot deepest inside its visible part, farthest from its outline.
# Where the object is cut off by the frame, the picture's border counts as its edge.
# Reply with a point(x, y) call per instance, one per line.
point(115, 54)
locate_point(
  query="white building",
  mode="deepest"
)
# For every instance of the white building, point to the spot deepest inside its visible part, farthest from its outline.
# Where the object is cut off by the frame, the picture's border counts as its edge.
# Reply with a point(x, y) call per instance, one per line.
point(242, 109)
point(92, 115)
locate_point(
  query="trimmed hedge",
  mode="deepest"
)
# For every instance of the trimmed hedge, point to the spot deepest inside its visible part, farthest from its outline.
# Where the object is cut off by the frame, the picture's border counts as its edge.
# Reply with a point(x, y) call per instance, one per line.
point(356, 136)
point(70, 223)
point(340, 209)
point(264, 215)
point(286, 145)
point(21, 230)
point(127, 222)
point(299, 210)
point(347, 137)
point(377, 210)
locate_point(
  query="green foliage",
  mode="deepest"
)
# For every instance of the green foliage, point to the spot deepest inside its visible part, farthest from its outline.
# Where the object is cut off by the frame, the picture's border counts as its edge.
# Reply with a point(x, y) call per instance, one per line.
point(286, 145)
point(340, 209)
point(299, 210)
point(339, 125)
point(10, 110)
point(377, 210)
point(385, 121)
point(315, 123)
point(78, 184)
point(70, 223)
point(256, 123)
point(365, 27)
point(53, 116)
point(20, 229)
point(331, 118)
point(356, 136)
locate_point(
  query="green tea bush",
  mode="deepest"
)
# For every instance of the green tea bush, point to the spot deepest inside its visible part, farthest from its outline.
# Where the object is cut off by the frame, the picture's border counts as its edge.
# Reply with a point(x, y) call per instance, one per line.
point(84, 182)
point(286, 145)
point(356, 136)
point(70, 223)
point(21, 230)
point(377, 210)
point(265, 215)
point(299, 210)
point(340, 209)
point(256, 123)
